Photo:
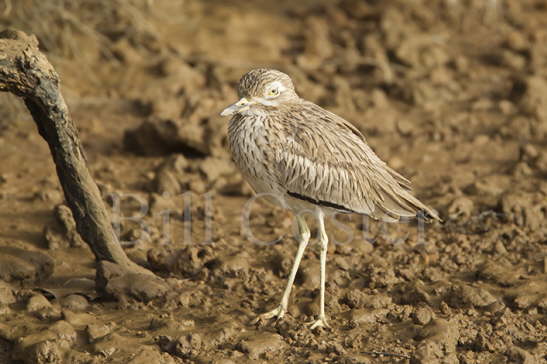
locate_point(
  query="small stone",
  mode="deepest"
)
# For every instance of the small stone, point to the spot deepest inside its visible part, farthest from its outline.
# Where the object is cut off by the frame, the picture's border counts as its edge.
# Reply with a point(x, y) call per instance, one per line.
point(496, 307)
point(309, 275)
point(482, 104)
point(80, 319)
point(6, 294)
point(24, 265)
point(63, 331)
point(167, 182)
point(519, 355)
point(162, 204)
point(157, 323)
point(168, 176)
point(492, 185)
point(405, 127)
point(185, 299)
point(213, 168)
point(506, 107)
point(51, 196)
point(54, 240)
point(516, 41)
point(513, 60)
point(522, 169)
point(396, 163)
point(461, 207)
point(262, 343)
point(65, 217)
point(224, 361)
point(38, 302)
point(379, 98)
point(45, 346)
point(5, 311)
point(109, 345)
point(44, 352)
point(75, 302)
point(417, 292)
point(377, 301)
point(96, 332)
point(234, 264)
point(186, 324)
point(481, 139)
point(461, 63)
point(198, 186)
point(477, 297)
point(525, 301)
point(530, 151)
point(151, 355)
point(354, 298)
point(364, 316)
point(41, 308)
point(500, 248)
point(150, 175)
point(445, 309)
point(541, 162)
point(422, 315)
point(188, 345)
point(499, 272)
point(438, 339)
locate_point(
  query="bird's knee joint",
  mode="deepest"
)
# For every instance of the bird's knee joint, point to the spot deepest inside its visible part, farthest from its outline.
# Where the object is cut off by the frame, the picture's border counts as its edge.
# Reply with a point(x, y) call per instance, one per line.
point(305, 235)
point(324, 243)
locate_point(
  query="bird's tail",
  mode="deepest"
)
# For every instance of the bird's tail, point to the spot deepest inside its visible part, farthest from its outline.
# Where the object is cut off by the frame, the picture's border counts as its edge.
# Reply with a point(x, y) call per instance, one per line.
point(398, 201)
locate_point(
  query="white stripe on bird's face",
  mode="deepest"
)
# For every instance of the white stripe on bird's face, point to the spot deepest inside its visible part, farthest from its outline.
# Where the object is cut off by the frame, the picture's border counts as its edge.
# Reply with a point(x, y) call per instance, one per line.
point(265, 101)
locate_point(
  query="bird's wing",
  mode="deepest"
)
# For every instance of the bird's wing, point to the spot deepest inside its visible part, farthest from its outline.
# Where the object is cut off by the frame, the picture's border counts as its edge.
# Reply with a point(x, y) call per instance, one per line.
point(324, 159)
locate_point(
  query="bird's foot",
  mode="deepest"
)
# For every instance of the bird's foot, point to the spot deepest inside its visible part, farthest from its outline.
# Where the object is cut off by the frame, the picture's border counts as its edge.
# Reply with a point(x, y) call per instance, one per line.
point(320, 322)
point(276, 313)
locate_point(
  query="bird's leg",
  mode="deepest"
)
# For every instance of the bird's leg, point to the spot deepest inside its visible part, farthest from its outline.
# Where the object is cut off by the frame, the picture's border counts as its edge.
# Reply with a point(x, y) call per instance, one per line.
point(324, 240)
point(303, 239)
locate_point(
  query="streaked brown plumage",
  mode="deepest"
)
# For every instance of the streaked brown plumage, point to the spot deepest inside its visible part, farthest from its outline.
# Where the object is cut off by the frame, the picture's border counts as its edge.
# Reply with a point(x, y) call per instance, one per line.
point(311, 160)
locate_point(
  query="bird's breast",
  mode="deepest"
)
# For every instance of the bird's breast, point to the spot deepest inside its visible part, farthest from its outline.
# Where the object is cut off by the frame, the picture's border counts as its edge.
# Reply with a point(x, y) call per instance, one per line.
point(249, 146)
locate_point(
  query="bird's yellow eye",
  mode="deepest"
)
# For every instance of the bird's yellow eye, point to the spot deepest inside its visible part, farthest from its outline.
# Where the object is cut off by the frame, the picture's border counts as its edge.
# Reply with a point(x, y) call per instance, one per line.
point(273, 92)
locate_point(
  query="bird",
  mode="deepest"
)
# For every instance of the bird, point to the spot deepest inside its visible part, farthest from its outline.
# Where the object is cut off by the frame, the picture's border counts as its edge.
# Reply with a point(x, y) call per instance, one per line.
point(310, 160)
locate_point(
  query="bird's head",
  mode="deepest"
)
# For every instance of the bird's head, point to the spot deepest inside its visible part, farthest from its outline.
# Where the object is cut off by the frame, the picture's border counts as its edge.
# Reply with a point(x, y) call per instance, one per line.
point(260, 90)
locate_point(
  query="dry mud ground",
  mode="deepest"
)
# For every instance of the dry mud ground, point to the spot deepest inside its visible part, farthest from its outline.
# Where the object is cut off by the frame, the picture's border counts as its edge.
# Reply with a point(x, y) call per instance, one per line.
point(453, 94)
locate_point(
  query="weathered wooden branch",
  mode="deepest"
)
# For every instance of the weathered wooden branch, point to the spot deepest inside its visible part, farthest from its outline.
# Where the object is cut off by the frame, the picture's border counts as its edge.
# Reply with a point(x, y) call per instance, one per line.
point(26, 72)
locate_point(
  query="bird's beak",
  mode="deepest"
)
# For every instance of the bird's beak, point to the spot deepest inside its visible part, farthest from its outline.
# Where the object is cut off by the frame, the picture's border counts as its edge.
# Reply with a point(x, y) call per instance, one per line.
point(239, 106)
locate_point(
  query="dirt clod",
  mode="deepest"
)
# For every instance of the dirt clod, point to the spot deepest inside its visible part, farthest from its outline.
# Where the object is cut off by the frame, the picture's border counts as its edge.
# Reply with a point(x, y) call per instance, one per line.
point(6, 294)
point(470, 296)
point(19, 265)
point(75, 303)
point(63, 234)
point(38, 302)
point(48, 345)
point(96, 332)
point(148, 355)
point(438, 343)
point(422, 315)
point(262, 344)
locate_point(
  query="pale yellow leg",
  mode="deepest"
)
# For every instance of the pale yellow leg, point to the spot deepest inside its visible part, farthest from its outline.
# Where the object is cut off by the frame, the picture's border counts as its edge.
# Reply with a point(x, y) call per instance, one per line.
point(303, 239)
point(324, 241)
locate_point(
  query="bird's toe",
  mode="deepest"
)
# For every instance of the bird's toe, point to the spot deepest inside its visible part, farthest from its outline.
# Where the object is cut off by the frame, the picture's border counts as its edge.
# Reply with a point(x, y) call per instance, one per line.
point(320, 322)
point(276, 314)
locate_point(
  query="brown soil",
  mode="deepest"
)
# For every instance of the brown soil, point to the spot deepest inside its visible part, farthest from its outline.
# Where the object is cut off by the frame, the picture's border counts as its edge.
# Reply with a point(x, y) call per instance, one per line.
point(452, 93)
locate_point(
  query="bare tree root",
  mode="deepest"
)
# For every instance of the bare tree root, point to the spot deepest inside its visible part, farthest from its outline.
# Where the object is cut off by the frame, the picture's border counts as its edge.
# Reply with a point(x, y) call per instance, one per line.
point(26, 72)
